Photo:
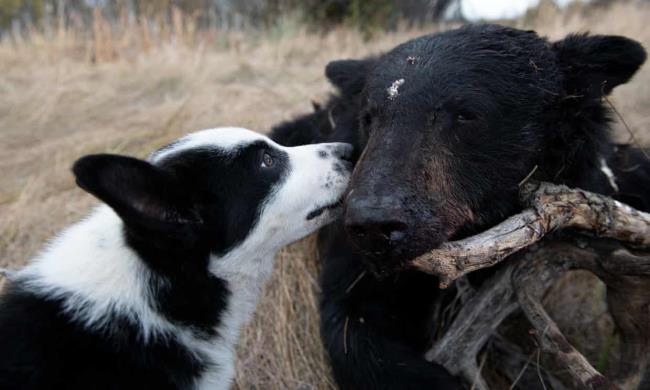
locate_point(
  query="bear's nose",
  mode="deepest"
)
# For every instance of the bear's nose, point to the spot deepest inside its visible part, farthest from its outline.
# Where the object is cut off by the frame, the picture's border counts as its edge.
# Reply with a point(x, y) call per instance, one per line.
point(375, 223)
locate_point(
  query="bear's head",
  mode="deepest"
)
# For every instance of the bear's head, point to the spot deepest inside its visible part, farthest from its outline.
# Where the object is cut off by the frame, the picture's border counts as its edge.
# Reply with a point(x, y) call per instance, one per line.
point(451, 123)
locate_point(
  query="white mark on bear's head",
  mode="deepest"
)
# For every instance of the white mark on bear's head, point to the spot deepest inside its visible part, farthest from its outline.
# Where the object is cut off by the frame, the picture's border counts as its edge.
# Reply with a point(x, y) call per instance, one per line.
point(393, 90)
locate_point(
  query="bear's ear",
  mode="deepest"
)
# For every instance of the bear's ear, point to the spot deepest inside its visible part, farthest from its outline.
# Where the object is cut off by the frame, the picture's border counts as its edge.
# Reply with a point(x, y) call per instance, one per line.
point(349, 76)
point(594, 65)
point(141, 194)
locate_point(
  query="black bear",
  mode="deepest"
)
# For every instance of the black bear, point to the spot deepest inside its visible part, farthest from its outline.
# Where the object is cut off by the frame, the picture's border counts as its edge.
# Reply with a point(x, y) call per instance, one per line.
point(446, 126)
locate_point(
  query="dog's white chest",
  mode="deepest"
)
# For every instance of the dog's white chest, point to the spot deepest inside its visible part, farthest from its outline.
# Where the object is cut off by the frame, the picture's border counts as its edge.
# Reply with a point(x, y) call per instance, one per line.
point(245, 290)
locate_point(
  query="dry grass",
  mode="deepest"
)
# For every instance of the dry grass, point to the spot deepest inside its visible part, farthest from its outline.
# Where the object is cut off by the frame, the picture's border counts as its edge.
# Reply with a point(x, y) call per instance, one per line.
point(57, 104)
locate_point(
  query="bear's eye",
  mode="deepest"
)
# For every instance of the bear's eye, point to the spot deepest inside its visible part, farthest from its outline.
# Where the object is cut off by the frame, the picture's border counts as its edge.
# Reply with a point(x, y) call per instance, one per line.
point(267, 160)
point(465, 116)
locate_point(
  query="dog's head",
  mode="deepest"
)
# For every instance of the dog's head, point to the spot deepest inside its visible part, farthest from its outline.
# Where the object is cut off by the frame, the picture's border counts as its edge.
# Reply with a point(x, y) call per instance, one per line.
point(219, 190)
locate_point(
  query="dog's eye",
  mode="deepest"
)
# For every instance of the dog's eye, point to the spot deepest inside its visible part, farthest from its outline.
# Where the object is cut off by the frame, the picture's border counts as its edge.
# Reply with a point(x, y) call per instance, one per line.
point(267, 160)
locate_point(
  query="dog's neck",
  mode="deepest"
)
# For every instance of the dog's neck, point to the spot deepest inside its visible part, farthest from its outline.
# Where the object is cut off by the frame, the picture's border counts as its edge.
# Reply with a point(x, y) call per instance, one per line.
point(247, 270)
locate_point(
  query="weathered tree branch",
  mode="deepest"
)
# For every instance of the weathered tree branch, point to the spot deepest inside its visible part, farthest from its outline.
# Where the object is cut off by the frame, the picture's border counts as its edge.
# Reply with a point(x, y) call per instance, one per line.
point(550, 207)
point(530, 281)
point(523, 281)
point(474, 324)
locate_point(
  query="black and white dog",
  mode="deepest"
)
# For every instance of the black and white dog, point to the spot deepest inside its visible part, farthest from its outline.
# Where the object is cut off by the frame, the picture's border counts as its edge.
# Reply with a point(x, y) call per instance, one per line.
point(152, 289)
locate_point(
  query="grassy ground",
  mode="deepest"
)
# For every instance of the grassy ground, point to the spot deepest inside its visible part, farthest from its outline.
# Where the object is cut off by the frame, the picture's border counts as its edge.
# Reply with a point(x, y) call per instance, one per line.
point(59, 101)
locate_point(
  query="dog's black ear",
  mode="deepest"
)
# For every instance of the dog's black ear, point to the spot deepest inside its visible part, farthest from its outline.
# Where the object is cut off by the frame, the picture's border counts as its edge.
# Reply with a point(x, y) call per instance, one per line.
point(138, 191)
point(593, 65)
point(349, 76)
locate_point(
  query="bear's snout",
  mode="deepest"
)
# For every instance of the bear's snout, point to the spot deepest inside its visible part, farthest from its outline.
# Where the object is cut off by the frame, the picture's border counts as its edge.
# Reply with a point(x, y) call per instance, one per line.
point(389, 232)
point(375, 222)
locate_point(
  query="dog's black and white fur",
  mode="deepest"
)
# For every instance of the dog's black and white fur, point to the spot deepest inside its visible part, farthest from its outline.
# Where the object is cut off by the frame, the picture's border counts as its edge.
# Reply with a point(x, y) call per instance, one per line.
point(152, 289)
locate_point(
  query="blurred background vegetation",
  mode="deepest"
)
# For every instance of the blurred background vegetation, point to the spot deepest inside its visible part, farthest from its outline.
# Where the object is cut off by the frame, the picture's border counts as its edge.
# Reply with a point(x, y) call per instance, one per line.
point(19, 16)
point(102, 22)
point(108, 26)
point(369, 15)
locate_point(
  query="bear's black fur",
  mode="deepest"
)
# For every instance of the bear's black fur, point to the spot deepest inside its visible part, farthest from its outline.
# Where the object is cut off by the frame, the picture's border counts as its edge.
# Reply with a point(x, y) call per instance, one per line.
point(446, 127)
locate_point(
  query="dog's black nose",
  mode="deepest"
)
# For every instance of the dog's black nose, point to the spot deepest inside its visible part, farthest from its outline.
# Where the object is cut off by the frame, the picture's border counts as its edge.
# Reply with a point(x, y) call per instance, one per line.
point(343, 151)
point(376, 224)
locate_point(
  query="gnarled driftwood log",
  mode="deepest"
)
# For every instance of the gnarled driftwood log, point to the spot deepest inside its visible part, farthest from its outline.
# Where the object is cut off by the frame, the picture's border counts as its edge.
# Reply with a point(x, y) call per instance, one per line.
point(612, 241)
